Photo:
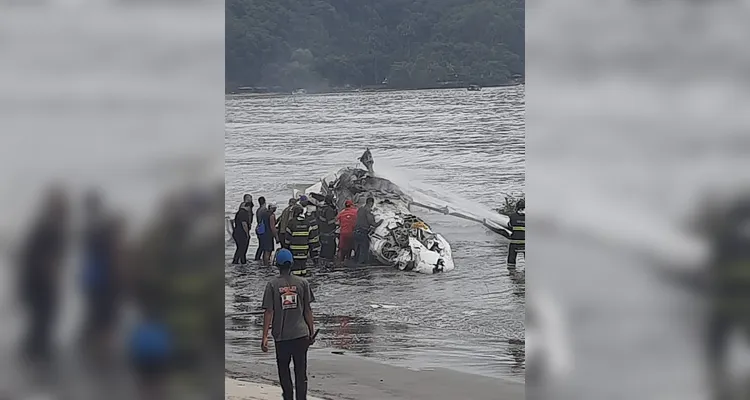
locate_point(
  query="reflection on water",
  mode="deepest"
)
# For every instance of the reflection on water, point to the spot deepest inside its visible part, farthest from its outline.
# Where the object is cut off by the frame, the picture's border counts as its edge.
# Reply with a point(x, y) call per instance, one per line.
point(471, 319)
point(519, 282)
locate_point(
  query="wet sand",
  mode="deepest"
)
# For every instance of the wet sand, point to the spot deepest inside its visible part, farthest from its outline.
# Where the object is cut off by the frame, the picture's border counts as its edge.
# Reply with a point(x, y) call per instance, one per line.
point(240, 390)
point(340, 376)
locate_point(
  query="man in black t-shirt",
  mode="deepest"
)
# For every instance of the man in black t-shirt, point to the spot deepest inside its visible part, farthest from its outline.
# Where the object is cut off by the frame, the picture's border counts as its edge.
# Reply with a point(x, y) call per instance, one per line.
point(288, 312)
point(241, 234)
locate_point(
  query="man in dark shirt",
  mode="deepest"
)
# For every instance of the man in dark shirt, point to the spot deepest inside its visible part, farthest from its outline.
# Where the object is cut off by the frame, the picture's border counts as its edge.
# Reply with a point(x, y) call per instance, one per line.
point(365, 224)
point(241, 235)
point(286, 301)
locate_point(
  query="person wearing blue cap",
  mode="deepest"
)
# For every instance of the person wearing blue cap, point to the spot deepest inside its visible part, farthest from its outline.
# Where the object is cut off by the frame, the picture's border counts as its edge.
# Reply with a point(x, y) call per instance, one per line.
point(286, 302)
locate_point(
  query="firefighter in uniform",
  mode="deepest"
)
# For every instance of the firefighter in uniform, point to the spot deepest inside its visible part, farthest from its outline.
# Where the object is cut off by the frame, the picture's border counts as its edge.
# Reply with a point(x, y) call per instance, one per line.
point(327, 225)
point(518, 233)
point(302, 239)
point(311, 213)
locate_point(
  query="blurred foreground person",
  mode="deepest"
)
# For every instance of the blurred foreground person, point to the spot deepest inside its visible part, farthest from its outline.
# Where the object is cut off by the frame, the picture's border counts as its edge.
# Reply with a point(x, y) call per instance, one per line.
point(151, 353)
point(180, 332)
point(301, 241)
point(327, 225)
point(549, 359)
point(729, 290)
point(347, 220)
point(241, 233)
point(103, 245)
point(287, 303)
point(40, 263)
point(286, 216)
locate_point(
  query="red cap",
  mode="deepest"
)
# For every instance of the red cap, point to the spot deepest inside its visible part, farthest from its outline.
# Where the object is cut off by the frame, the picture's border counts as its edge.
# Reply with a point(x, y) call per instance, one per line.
point(349, 203)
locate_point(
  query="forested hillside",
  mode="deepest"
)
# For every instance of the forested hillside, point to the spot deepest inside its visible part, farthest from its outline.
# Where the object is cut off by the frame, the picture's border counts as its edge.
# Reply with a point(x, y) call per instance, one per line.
point(320, 44)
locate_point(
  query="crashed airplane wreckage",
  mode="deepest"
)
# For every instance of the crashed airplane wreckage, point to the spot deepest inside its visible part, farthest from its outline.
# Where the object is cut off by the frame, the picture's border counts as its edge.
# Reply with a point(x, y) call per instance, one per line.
point(403, 240)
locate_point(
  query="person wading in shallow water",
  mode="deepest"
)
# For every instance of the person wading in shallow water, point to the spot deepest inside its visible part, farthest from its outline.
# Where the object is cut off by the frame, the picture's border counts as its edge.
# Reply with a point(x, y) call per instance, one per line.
point(346, 220)
point(518, 233)
point(241, 233)
point(327, 226)
point(365, 224)
point(286, 216)
point(287, 303)
point(274, 226)
point(311, 213)
point(302, 241)
point(264, 230)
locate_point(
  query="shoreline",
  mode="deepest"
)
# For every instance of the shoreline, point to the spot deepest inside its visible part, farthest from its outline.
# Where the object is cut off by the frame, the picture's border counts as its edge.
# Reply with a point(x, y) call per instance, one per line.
point(237, 389)
point(372, 90)
point(335, 376)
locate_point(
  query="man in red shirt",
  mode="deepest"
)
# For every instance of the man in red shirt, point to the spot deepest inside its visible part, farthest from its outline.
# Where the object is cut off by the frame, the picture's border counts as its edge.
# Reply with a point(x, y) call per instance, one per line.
point(346, 220)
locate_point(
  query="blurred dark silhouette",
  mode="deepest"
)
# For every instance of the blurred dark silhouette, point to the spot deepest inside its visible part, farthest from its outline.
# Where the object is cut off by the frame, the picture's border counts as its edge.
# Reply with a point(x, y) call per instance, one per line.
point(175, 280)
point(102, 255)
point(152, 299)
point(40, 263)
point(728, 288)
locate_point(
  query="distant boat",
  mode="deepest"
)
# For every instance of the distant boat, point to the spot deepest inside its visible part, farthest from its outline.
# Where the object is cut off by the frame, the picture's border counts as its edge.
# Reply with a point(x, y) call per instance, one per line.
point(474, 88)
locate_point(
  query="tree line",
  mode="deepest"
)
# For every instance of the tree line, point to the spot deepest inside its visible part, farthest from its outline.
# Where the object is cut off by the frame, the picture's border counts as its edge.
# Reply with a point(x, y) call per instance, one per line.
point(322, 44)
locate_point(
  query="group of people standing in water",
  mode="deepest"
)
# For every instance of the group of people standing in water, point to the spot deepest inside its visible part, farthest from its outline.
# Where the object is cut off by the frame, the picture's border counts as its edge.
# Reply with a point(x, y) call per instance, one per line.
point(306, 231)
point(311, 232)
point(265, 229)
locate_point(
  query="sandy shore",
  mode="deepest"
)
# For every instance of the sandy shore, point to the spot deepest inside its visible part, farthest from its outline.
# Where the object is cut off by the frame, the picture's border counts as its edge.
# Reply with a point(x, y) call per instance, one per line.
point(240, 390)
point(344, 377)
